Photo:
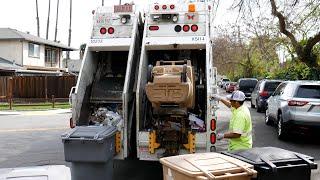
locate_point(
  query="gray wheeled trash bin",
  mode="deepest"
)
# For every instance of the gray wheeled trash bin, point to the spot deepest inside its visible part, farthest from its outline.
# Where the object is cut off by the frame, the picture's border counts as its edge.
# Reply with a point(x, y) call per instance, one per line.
point(276, 164)
point(90, 149)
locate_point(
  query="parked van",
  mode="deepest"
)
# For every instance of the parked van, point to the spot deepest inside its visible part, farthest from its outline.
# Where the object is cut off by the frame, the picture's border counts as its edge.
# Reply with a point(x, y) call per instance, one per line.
point(246, 85)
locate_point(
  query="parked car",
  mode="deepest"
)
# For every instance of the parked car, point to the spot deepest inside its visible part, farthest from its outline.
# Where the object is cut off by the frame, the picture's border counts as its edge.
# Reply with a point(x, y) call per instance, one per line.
point(262, 92)
point(231, 87)
point(246, 85)
point(294, 104)
point(223, 81)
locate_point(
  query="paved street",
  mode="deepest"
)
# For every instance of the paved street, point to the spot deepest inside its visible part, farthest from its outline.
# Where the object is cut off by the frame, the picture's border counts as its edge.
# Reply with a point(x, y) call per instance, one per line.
point(34, 139)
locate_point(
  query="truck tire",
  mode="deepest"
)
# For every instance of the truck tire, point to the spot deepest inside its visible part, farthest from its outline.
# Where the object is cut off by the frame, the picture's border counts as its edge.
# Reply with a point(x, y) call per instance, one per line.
point(149, 73)
point(184, 73)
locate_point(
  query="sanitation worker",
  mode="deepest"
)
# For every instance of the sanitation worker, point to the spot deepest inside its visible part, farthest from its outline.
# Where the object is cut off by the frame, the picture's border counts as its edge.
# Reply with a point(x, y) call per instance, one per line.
point(240, 125)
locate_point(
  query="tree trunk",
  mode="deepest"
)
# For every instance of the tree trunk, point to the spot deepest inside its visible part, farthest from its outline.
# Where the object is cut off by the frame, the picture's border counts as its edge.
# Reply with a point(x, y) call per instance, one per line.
point(304, 52)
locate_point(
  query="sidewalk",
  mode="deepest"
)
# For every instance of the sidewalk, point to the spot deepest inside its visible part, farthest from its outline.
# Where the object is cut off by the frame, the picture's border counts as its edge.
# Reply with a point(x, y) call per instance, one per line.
point(31, 113)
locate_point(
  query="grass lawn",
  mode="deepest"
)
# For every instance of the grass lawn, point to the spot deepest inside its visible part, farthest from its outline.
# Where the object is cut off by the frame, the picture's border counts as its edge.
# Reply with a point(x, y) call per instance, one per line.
point(34, 106)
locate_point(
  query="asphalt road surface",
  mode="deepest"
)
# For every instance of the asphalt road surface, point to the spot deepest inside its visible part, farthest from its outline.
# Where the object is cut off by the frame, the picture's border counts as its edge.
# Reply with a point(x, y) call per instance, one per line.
point(34, 139)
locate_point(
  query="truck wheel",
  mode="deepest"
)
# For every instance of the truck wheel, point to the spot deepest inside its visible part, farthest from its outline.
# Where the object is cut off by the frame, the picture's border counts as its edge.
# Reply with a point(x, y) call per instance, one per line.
point(184, 73)
point(149, 73)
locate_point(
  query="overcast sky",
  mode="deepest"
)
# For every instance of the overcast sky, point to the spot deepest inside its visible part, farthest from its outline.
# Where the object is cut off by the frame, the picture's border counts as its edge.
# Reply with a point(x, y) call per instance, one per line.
point(21, 15)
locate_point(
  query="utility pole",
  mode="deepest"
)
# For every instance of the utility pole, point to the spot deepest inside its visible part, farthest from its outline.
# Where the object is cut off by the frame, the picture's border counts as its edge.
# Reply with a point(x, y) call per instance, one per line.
point(47, 35)
point(55, 35)
point(69, 40)
point(38, 26)
point(102, 2)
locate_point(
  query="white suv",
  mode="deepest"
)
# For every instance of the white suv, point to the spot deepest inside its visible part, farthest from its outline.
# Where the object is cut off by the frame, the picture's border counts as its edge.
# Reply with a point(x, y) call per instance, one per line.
point(294, 104)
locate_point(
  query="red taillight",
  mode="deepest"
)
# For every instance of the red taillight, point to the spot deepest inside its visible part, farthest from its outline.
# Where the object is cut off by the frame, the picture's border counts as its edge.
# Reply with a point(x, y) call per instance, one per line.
point(194, 28)
point(71, 124)
point(103, 30)
point(171, 6)
point(213, 124)
point(164, 6)
point(156, 7)
point(264, 93)
point(186, 28)
point(110, 30)
point(297, 103)
point(153, 28)
point(213, 138)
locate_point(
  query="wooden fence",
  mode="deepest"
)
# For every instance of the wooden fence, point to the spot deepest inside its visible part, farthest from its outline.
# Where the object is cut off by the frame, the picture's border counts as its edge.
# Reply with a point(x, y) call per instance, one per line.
point(36, 87)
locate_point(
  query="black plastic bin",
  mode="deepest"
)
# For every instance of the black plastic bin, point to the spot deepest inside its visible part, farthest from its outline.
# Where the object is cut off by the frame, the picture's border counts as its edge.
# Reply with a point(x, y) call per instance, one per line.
point(276, 164)
point(90, 149)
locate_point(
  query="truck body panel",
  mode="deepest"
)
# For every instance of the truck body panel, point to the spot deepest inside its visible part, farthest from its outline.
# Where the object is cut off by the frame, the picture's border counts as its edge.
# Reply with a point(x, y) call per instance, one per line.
point(106, 80)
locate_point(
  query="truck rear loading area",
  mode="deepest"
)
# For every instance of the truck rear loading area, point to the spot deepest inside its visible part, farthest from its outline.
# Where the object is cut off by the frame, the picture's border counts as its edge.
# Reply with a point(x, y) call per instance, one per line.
point(152, 80)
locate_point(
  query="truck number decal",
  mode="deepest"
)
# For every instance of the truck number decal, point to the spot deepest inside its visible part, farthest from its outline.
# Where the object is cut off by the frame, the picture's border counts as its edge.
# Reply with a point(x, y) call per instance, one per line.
point(198, 39)
point(96, 40)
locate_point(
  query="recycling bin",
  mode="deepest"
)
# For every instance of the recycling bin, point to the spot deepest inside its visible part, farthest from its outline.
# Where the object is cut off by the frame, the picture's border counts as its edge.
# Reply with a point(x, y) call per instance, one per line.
point(205, 166)
point(90, 149)
point(273, 163)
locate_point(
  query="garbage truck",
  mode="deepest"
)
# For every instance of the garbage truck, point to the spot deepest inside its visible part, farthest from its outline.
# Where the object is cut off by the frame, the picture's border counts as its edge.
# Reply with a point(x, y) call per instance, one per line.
point(176, 77)
point(104, 92)
point(151, 77)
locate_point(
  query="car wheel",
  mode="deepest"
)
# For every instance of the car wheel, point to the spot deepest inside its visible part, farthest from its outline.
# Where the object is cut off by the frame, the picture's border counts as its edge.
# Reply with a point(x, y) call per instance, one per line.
point(252, 105)
point(258, 107)
point(267, 119)
point(282, 129)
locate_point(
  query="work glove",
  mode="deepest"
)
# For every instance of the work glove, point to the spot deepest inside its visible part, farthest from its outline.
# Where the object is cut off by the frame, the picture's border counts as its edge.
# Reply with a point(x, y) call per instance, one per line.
point(220, 136)
point(216, 97)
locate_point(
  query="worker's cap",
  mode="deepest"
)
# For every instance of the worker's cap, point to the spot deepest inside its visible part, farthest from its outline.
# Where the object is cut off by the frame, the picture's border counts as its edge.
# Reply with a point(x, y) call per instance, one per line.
point(237, 96)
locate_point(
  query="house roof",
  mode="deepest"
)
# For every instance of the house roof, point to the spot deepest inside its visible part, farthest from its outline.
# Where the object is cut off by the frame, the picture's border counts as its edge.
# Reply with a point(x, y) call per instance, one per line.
point(13, 34)
point(8, 65)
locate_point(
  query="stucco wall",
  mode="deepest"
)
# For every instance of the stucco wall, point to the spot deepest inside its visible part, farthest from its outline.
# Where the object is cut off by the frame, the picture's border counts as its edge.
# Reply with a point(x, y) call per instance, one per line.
point(32, 61)
point(19, 52)
point(11, 50)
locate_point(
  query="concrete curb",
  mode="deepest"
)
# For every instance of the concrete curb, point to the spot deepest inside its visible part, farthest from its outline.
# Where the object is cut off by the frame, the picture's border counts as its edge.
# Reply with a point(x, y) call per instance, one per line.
point(48, 112)
point(7, 113)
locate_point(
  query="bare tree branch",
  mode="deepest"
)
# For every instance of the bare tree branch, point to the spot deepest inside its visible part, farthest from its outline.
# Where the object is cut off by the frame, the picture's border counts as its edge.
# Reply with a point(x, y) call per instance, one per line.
point(282, 24)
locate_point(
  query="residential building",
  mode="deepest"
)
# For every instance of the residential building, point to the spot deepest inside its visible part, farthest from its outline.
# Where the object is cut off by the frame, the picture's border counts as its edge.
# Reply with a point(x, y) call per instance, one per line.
point(32, 53)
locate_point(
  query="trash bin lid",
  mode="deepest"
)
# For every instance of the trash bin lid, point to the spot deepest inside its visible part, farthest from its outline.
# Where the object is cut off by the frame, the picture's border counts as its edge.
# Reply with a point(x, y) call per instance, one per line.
point(259, 155)
point(48, 172)
point(195, 165)
point(90, 133)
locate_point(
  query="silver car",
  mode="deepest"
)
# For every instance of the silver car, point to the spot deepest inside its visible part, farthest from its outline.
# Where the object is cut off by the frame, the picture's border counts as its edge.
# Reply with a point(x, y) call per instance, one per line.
point(294, 104)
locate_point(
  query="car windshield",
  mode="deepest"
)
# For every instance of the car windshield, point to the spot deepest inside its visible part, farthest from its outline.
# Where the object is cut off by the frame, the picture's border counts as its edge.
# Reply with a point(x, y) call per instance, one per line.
point(271, 86)
point(248, 83)
point(308, 91)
